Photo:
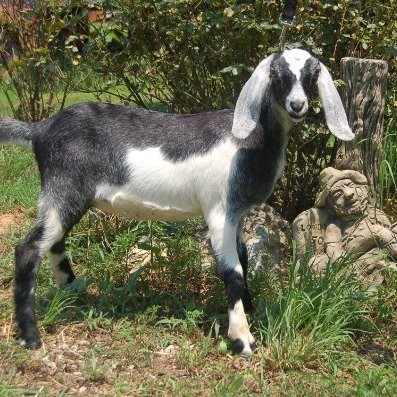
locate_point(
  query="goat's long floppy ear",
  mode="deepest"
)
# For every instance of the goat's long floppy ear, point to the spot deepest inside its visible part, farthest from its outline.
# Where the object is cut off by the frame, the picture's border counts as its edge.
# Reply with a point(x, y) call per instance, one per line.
point(249, 102)
point(333, 108)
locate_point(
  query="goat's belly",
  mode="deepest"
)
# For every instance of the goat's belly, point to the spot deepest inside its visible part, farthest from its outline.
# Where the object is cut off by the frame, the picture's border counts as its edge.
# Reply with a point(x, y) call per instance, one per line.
point(124, 205)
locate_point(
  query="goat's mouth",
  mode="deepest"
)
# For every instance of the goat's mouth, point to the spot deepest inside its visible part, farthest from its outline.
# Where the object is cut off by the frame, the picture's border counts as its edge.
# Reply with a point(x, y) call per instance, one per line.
point(297, 118)
point(296, 115)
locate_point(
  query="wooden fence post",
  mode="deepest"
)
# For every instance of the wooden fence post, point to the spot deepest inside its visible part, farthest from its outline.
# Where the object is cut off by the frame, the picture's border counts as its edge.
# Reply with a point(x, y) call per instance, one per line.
point(364, 98)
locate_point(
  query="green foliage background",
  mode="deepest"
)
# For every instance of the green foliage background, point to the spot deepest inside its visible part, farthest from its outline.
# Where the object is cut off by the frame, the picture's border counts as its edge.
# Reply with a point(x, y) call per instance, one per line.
point(195, 55)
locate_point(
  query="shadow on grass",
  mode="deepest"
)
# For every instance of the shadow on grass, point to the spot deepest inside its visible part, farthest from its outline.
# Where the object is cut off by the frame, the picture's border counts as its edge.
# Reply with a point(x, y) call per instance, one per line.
point(85, 302)
point(378, 353)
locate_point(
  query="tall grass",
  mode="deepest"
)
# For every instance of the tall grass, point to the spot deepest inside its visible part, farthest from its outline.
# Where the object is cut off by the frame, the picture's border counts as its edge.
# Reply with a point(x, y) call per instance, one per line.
point(388, 168)
point(306, 317)
point(62, 300)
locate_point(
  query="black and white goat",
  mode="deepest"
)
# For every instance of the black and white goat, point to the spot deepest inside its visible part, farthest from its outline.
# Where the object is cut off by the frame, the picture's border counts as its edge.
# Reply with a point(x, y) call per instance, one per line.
point(151, 165)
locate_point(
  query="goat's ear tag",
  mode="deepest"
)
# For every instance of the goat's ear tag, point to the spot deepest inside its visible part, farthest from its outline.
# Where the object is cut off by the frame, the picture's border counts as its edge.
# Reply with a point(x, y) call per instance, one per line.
point(335, 114)
point(249, 102)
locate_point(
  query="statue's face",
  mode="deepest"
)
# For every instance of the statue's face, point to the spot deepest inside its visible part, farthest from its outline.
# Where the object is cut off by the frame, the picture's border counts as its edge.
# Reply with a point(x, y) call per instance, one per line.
point(348, 200)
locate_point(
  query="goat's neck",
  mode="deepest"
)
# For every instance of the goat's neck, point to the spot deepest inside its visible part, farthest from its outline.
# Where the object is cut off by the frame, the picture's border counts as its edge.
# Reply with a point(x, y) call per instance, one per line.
point(275, 122)
point(261, 159)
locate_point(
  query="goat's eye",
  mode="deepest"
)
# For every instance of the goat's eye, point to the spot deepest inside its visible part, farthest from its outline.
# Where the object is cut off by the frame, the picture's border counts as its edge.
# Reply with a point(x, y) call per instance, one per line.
point(308, 82)
point(277, 77)
point(273, 74)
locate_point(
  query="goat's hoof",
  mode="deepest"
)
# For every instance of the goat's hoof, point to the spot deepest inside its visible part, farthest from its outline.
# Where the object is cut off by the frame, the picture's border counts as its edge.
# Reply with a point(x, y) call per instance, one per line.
point(243, 349)
point(32, 341)
point(31, 344)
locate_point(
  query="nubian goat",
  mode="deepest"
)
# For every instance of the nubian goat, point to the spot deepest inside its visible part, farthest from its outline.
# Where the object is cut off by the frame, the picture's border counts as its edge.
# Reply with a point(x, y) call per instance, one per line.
point(151, 165)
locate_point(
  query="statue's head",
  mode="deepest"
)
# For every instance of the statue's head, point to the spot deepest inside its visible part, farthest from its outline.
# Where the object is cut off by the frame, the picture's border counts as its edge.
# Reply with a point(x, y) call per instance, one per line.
point(344, 193)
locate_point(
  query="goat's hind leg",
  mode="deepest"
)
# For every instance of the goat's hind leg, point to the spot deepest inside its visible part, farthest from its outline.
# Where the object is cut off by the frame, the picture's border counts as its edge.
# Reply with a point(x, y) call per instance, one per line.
point(47, 236)
point(28, 255)
point(60, 263)
point(223, 235)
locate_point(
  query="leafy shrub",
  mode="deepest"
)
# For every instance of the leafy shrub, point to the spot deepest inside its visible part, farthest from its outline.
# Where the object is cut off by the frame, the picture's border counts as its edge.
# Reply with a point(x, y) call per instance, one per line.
point(190, 56)
point(31, 56)
point(195, 55)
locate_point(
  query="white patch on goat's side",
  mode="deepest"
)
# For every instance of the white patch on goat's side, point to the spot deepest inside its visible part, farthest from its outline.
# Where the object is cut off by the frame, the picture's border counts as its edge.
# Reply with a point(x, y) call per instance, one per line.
point(55, 259)
point(239, 328)
point(163, 189)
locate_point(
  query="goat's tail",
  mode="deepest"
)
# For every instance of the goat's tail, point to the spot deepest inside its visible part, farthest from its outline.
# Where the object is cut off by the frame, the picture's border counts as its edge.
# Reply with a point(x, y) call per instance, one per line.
point(15, 132)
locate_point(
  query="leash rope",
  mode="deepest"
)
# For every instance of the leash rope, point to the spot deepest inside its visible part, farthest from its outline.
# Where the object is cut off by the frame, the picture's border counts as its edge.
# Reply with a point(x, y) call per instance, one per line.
point(287, 19)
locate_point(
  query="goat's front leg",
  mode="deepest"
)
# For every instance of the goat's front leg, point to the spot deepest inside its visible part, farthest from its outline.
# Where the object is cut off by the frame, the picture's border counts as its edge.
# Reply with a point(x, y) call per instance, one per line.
point(243, 257)
point(223, 234)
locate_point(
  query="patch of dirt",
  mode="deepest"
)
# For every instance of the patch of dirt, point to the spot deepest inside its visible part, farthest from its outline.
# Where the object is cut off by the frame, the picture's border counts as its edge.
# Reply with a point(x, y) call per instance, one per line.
point(60, 364)
point(9, 220)
point(75, 361)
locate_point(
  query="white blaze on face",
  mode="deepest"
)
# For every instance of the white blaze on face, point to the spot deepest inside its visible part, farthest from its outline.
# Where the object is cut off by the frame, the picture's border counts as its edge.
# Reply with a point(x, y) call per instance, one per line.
point(296, 60)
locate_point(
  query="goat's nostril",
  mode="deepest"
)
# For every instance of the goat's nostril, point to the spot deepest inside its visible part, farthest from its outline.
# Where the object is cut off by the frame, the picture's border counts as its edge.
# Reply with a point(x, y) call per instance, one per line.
point(297, 105)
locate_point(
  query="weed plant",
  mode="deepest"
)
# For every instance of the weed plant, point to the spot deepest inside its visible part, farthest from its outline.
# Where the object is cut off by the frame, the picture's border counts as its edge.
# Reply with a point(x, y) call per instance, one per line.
point(305, 317)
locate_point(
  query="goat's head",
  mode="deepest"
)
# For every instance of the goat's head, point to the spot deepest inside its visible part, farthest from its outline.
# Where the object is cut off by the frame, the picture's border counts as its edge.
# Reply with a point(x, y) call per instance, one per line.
point(290, 77)
point(293, 77)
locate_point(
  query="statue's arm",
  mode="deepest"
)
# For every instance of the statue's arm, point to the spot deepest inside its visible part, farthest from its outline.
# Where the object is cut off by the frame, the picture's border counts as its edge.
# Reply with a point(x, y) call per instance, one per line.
point(333, 242)
point(380, 217)
point(386, 233)
point(387, 239)
point(382, 232)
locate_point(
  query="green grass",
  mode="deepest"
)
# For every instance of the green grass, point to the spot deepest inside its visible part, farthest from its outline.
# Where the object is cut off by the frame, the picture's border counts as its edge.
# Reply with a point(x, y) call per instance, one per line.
point(72, 98)
point(311, 332)
point(19, 187)
point(388, 169)
point(307, 318)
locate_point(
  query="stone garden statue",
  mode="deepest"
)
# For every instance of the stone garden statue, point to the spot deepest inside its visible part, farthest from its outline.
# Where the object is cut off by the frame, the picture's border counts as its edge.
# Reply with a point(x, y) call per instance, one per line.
point(343, 221)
